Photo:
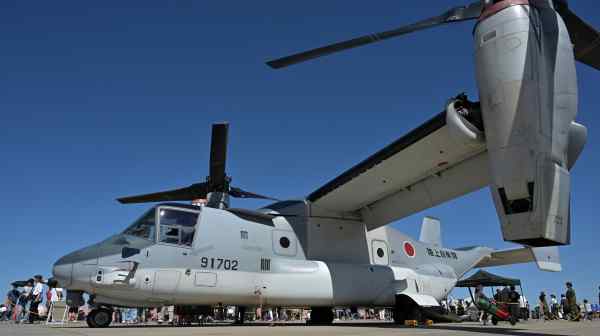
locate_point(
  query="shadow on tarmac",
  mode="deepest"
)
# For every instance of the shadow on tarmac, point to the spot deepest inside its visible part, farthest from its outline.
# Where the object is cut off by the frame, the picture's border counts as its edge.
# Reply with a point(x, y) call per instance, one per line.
point(514, 331)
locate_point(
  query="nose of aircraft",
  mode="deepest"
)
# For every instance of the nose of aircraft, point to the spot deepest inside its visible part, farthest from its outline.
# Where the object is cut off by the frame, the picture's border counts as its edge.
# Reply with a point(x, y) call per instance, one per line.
point(62, 272)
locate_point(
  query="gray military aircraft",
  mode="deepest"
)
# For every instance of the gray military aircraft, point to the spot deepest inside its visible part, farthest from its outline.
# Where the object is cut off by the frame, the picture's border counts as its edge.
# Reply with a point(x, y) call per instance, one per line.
point(290, 253)
point(333, 248)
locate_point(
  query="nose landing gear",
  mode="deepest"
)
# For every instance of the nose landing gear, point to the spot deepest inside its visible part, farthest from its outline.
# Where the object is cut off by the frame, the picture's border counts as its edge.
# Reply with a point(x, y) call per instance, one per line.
point(99, 318)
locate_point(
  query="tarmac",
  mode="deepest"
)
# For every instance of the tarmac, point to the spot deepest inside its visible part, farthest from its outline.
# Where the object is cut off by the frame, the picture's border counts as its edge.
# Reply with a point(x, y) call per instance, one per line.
point(531, 328)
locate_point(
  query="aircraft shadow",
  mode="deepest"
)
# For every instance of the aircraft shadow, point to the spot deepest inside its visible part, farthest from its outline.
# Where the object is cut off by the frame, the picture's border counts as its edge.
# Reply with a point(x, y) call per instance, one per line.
point(514, 331)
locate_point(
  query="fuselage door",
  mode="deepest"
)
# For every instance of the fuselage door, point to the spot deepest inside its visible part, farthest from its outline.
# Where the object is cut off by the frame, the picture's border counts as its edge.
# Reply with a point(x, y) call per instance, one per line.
point(380, 252)
point(166, 283)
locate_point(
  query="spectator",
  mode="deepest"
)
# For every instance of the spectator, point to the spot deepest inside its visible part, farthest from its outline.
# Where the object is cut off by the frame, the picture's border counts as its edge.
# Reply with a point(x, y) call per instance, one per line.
point(497, 295)
point(587, 310)
point(524, 307)
point(24, 301)
point(504, 295)
point(4, 313)
point(12, 299)
point(564, 306)
point(73, 313)
point(574, 314)
point(54, 295)
point(36, 298)
point(513, 306)
point(553, 307)
point(544, 311)
point(452, 304)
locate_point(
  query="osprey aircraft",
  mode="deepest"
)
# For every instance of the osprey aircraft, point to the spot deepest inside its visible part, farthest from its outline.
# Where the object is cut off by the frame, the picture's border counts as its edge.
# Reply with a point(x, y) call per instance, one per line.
point(333, 248)
point(291, 253)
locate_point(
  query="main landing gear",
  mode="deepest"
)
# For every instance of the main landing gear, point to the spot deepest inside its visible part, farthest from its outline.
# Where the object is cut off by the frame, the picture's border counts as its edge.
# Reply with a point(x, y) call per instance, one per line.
point(406, 309)
point(99, 318)
point(321, 315)
point(241, 314)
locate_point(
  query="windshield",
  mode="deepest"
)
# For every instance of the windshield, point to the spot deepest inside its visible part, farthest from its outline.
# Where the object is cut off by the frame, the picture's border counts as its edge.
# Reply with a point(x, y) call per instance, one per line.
point(177, 226)
point(144, 227)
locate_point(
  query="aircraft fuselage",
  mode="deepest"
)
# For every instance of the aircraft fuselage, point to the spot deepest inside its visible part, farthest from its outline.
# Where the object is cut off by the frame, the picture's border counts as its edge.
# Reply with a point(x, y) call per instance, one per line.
point(245, 261)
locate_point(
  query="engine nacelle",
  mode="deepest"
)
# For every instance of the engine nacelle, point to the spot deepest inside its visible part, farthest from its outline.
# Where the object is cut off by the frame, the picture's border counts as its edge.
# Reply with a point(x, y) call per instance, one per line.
point(528, 91)
point(464, 122)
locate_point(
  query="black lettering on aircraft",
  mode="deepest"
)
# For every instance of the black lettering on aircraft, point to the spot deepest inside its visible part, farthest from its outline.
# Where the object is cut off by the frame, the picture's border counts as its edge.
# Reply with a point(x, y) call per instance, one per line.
point(219, 263)
point(441, 253)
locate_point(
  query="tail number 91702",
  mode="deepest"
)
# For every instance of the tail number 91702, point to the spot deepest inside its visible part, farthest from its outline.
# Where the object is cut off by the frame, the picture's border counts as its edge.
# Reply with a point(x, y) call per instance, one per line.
point(219, 263)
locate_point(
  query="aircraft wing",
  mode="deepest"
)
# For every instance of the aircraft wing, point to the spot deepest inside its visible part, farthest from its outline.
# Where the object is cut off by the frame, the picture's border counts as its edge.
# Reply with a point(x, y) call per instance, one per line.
point(422, 169)
point(546, 258)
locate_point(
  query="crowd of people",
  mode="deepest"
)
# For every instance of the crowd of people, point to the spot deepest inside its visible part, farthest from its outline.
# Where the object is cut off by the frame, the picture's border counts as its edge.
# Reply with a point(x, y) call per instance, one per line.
point(567, 308)
point(509, 300)
point(31, 300)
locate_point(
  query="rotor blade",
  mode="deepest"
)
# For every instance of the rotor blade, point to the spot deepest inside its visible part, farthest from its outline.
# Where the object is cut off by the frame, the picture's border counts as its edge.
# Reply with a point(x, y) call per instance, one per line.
point(585, 38)
point(218, 155)
point(239, 193)
point(197, 190)
point(456, 14)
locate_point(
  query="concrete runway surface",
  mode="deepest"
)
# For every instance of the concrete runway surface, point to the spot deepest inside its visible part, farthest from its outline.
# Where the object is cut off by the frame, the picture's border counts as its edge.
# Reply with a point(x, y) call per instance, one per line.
point(533, 328)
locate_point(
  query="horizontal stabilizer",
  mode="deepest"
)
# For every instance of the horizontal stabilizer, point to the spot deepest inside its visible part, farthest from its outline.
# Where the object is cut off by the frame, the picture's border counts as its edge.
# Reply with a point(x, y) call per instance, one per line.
point(546, 258)
point(431, 232)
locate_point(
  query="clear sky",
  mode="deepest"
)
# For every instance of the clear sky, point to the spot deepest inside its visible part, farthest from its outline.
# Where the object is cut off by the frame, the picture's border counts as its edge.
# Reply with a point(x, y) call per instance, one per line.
point(101, 99)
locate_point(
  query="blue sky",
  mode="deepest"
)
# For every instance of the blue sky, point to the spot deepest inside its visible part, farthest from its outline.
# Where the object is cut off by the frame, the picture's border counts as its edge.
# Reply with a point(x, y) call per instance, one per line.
point(101, 99)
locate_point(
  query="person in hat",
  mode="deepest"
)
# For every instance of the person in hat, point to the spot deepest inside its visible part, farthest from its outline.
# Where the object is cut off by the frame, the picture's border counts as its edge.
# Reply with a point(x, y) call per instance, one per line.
point(574, 313)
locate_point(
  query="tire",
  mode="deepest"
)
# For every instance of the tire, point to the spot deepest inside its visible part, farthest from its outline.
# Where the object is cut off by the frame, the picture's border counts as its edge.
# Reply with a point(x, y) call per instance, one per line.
point(399, 315)
point(406, 309)
point(416, 314)
point(321, 315)
point(90, 321)
point(99, 318)
point(494, 320)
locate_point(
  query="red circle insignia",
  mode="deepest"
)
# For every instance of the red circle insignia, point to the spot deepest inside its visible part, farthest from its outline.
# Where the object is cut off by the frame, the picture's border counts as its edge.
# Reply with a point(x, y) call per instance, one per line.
point(409, 249)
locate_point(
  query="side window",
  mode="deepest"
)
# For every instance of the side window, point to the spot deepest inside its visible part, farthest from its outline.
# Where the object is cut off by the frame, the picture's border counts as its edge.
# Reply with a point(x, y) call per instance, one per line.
point(144, 227)
point(177, 226)
point(284, 243)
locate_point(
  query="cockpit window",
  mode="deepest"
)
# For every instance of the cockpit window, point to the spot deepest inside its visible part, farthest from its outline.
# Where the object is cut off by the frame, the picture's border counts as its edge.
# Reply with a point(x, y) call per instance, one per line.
point(144, 227)
point(177, 226)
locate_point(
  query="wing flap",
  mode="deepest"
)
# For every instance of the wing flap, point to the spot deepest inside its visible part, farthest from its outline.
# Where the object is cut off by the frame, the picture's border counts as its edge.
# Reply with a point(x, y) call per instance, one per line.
point(467, 176)
point(426, 167)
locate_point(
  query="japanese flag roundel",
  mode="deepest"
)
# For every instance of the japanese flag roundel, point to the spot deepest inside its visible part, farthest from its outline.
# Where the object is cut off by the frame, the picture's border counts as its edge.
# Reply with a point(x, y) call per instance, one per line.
point(409, 249)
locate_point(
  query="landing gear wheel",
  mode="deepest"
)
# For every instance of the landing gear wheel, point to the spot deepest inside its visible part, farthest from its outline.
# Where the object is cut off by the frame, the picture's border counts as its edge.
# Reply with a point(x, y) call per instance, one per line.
point(90, 321)
point(415, 313)
point(321, 315)
point(406, 309)
point(241, 314)
point(99, 318)
point(399, 315)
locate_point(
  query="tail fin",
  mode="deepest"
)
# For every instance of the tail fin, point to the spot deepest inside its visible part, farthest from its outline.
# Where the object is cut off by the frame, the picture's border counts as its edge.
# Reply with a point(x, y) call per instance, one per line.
point(546, 258)
point(431, 232)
